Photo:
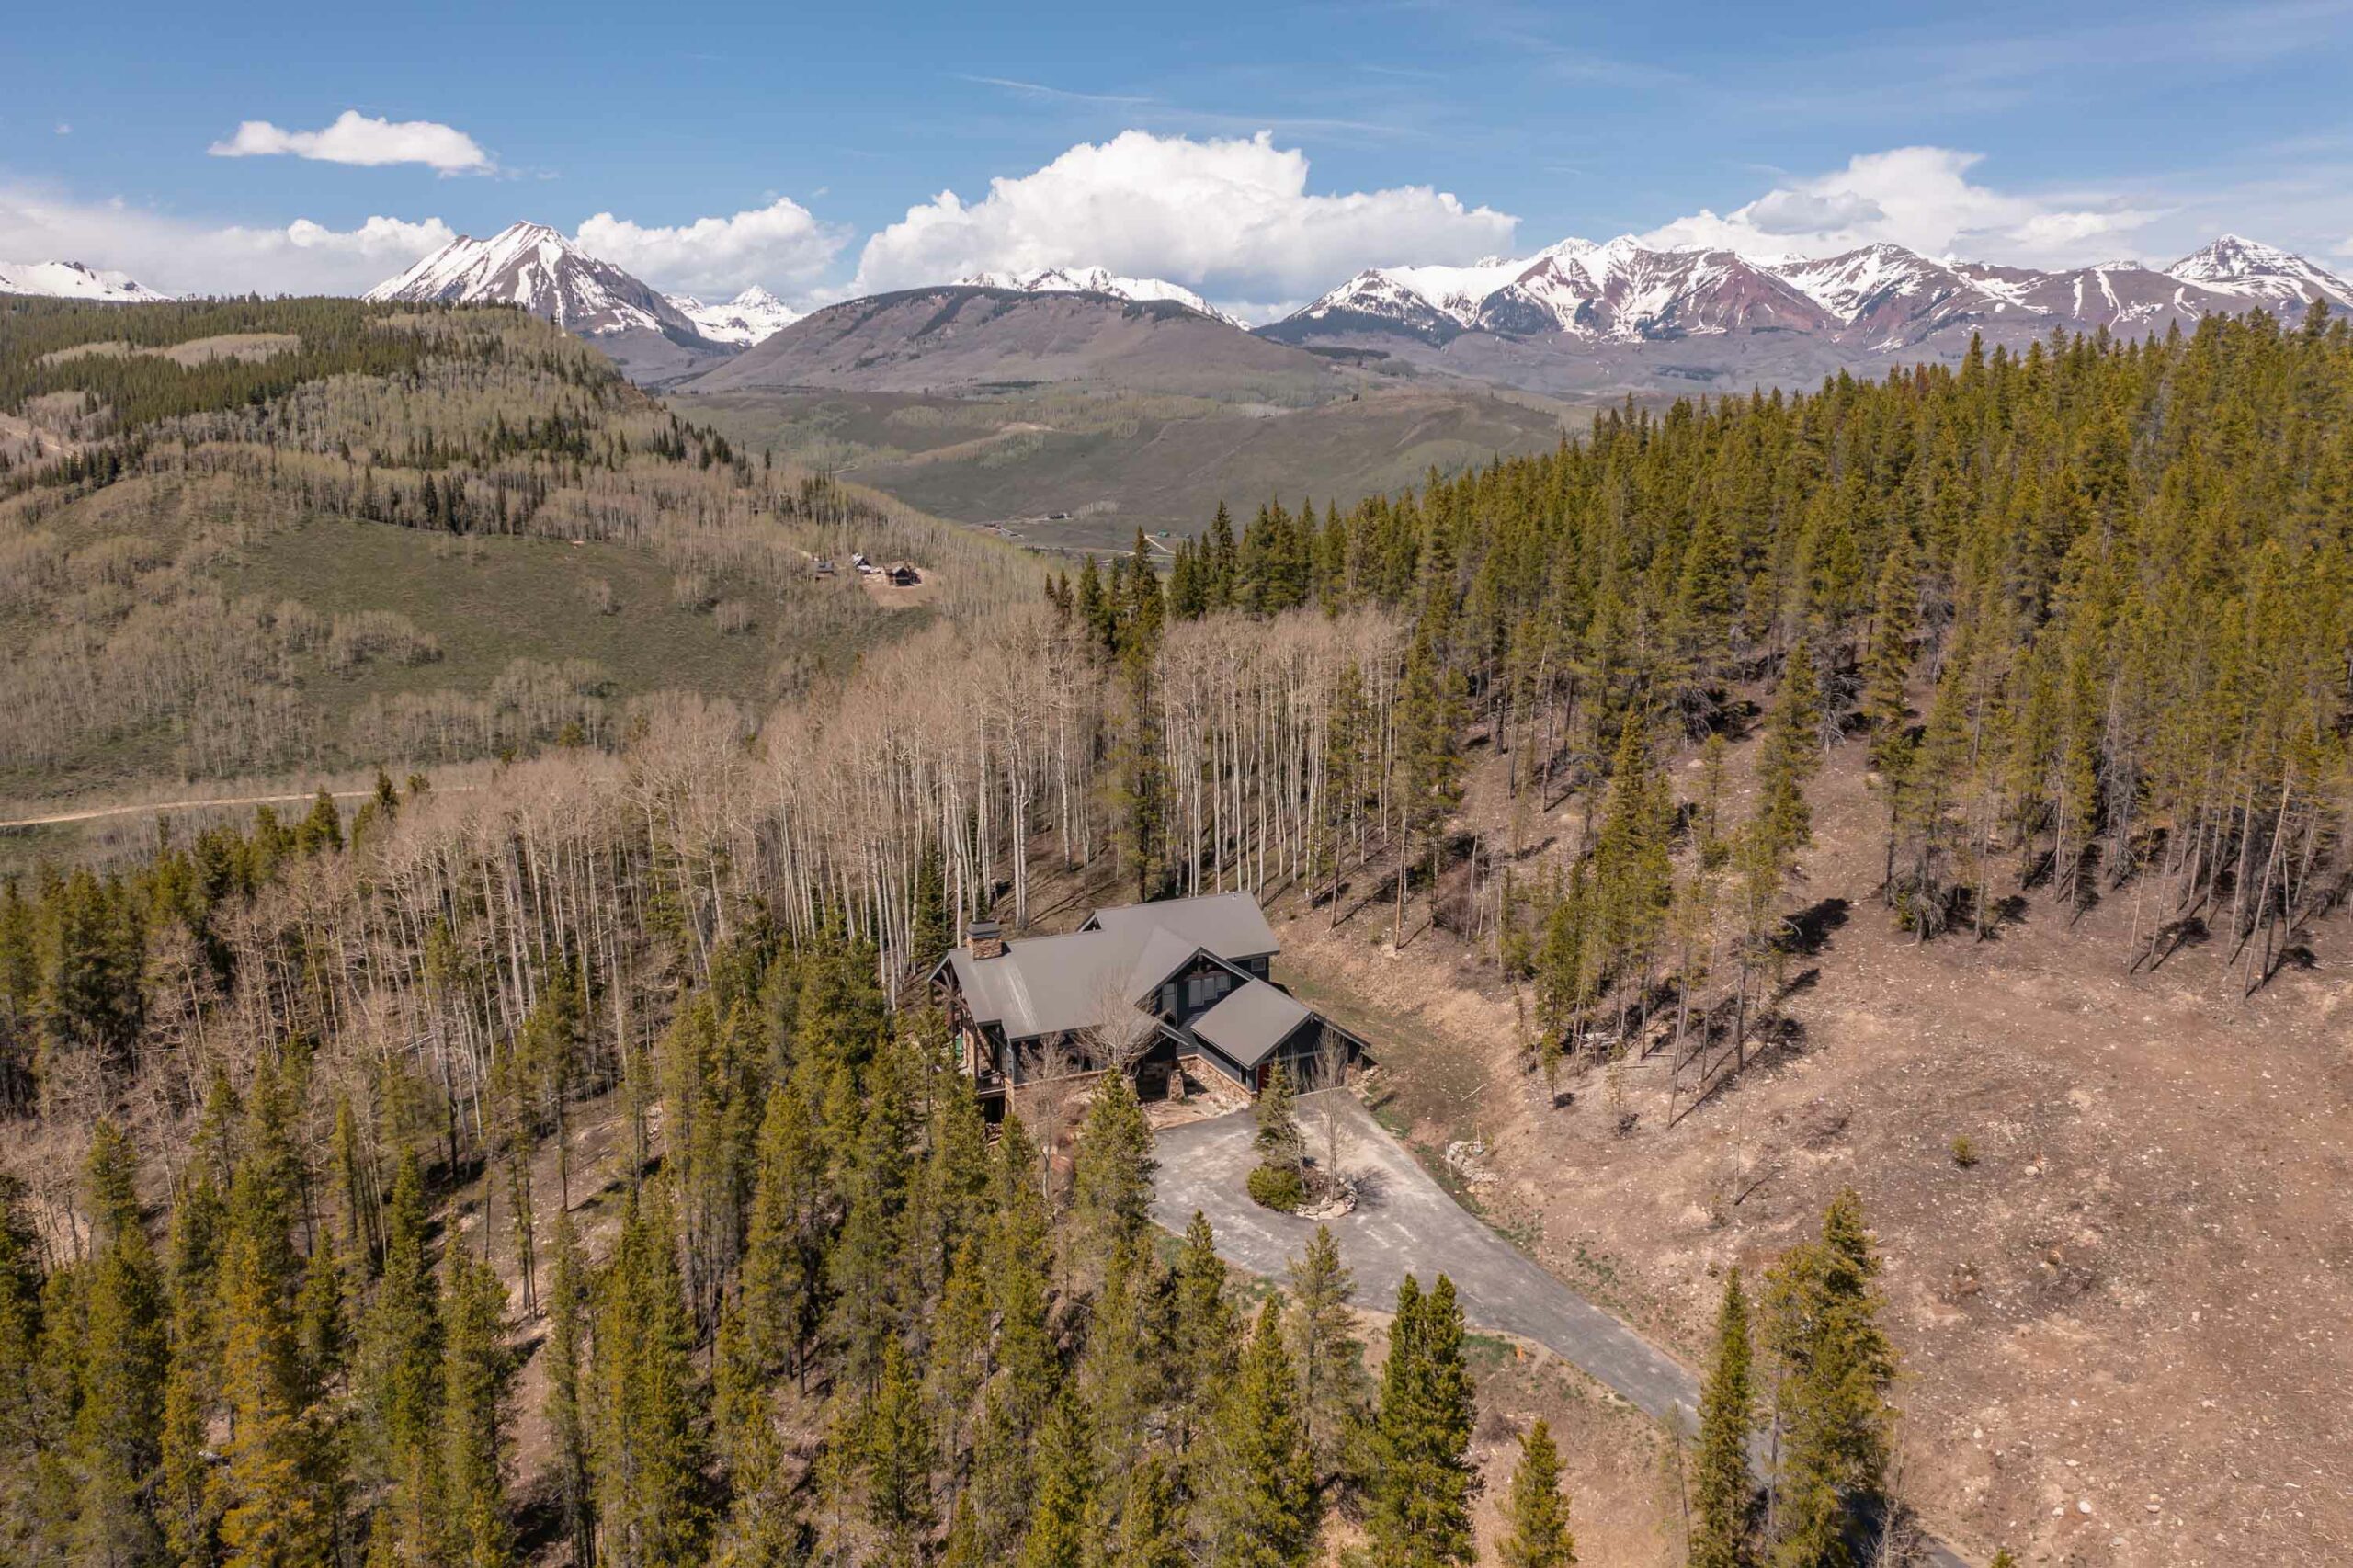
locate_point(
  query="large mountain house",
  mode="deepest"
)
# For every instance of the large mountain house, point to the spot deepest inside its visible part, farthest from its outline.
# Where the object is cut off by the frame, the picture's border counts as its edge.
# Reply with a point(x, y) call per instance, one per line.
point(1154, 990)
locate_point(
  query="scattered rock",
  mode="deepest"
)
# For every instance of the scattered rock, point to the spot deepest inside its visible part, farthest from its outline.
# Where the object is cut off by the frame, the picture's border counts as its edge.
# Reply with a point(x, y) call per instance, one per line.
point(1467, 1157)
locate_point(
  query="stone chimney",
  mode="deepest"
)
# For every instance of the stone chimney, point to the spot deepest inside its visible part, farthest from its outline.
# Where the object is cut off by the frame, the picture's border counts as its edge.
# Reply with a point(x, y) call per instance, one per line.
point(985, 938)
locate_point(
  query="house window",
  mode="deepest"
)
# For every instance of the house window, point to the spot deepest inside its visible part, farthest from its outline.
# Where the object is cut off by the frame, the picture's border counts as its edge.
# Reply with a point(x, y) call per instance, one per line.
point(1207, 987)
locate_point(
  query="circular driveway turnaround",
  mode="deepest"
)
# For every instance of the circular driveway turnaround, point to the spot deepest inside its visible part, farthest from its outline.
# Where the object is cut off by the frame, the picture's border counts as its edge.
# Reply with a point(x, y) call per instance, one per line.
point(1404, 1223)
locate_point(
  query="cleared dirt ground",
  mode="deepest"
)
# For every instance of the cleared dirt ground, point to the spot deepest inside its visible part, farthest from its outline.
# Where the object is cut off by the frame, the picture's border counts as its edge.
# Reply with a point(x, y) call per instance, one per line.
point(2123, 1328)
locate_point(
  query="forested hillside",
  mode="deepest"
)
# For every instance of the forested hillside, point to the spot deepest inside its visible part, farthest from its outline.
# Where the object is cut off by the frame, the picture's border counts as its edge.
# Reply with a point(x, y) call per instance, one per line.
point(247, 538)
point(295, 1111)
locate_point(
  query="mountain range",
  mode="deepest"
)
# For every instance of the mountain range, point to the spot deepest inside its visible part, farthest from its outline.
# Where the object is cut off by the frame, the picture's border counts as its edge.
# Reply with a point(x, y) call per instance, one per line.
point(1881, 297)
point(1575, 318)
point(1577, 315)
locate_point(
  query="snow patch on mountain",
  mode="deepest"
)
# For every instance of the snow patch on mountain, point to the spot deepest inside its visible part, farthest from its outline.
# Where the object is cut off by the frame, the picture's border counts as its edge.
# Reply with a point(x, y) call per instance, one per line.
point(71, 281)
point(1095, 280)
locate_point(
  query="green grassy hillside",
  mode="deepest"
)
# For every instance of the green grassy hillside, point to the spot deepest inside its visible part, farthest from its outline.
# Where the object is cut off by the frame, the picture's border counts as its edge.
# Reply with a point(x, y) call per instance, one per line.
point(396, 537)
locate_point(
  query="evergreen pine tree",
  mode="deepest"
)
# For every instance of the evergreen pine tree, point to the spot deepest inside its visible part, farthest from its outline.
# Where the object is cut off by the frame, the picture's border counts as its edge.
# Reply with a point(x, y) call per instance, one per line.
point(187, 1503)
point(1021, 1254)
point(1722, 1487)
point(782, 1274)
point(1221, 558)
point(959, 1345)
point(1205, 1332)
point(21, 1339)
point(1139, 781)
point(566, 1414)
point(1261, 1491)
point(1791, 754)
point(401, 1344)
point(934, 930)
point(269, 1482)
point(1893, 620)
point(1152, 1530)
point(118, 1428)
point(1331, 1383)
point(1111, 1172)
point(1834, 1367)
point(1536, 1517)
point(965, 1547)
point(1281, 1148)
point(1421, 1477)
point(476, 1372)
point(648, 1451)
point(1063, 1526)
point(1002, 1488)
point(1430, 761)
point(898, 1453)
point(1632, 876)
point(1122, 1372)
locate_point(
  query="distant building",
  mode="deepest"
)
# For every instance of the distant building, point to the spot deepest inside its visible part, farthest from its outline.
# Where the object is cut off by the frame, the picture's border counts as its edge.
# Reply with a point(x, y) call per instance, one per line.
point(902, 576)
point(1181, 985)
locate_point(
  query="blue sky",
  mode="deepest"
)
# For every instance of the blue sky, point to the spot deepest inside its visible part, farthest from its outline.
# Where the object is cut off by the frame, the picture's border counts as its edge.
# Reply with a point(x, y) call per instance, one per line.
point(1260, 152)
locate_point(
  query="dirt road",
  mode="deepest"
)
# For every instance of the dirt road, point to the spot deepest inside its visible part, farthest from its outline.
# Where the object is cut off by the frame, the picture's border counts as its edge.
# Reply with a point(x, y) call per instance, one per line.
point(149, 807)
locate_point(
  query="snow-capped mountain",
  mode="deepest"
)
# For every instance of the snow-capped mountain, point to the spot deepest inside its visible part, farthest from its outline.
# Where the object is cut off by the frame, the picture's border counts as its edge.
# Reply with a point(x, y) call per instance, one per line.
point(1885, 294)
point(2263, 273)
point(1432, 300)
point(1879, 298)
point(2122, 296)
point(532, 266)
point(71, 281)
point(744, 320)
point(1094, 280)
point(1616, 292)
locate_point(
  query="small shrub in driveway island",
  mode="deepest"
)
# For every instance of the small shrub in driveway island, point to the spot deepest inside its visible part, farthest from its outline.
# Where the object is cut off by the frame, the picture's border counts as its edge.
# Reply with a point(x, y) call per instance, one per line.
point(1273, 1186)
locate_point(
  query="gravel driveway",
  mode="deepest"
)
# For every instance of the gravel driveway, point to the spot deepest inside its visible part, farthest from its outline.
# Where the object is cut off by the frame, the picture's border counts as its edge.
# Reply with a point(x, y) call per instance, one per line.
point(1405, 1222)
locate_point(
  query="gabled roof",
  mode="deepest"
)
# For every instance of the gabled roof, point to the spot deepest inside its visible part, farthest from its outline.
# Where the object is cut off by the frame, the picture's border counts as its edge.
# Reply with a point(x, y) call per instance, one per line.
point(1042, 985)
point(1250, 1022)
point(1229, 925)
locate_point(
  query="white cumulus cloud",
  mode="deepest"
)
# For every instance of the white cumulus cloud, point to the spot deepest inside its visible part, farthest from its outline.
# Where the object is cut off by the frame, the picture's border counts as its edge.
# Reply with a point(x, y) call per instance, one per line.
point(1921, 198)
point(354, 138)
point(782, 247)
point(181, 256)
point(1232, 218)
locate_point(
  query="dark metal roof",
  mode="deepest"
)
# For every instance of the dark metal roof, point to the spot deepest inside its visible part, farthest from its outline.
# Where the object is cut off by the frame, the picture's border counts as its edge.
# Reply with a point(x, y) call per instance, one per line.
point(1044, 986)
point(1251, 1022)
